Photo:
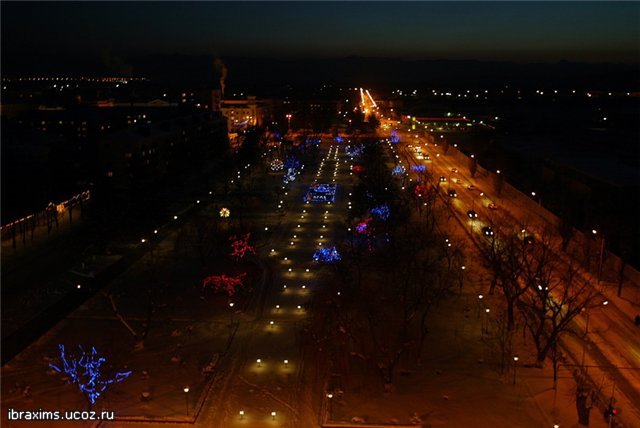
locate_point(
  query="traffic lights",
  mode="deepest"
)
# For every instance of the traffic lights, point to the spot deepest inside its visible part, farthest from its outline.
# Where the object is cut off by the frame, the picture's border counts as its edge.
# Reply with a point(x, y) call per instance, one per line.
point(610, 412)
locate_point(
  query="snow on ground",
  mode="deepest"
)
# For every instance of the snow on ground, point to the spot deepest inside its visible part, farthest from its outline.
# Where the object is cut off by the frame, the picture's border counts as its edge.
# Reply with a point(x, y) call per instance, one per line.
point(188, 330)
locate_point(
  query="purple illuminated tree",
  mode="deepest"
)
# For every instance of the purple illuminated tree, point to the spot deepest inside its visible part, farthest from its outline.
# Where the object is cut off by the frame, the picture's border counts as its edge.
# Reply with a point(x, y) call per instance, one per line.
point(241, 246)
point(85, 370)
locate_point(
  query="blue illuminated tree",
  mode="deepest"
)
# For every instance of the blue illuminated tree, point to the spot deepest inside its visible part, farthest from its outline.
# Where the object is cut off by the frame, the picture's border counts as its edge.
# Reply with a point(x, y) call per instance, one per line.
point(85, 371)
point(354, 151)
point(398, 170)
point(292, 163)
point(382, 212)
point(289, 176)
point(326, 255)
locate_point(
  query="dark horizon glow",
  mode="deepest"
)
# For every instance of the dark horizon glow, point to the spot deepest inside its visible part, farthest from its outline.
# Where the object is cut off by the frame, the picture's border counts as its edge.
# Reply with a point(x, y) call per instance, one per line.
point(513, 31)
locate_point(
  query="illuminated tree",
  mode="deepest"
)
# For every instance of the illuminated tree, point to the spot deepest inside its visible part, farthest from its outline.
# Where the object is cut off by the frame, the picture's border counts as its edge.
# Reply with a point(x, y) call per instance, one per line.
point(241, 246)
point(277, 165)
point(382, 212)
point(398, 170)
point(228, 284)
point(326, 255)
point(85, 370)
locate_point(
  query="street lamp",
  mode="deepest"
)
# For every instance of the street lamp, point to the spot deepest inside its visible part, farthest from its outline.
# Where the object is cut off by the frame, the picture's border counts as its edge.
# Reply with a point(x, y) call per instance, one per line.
point(186, 397)
point(231, 304)
point(539, 199)
point(289, 121)
point(330, 396)
point(241, 412)
point(515, 366)
point(273, 416)
point(486, 311)
point(595, 232)
point(586, 330)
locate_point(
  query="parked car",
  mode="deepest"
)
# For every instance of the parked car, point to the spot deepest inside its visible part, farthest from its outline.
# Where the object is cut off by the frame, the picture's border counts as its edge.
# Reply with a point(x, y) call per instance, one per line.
point(471, 187)
point(454, 170)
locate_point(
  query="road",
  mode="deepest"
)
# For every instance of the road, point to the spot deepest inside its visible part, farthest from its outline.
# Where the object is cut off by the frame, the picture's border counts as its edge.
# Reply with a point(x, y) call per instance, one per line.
point(612, 345)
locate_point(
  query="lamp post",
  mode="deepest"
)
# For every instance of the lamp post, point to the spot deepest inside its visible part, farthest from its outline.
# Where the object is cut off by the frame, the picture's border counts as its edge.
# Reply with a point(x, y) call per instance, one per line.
point(515, 366)
point(330, 397)
point(595, 232)
point(586, 332)
point(539, 199)
point(231, 304)
point(288, 121)
point(486, 311)
point(186, 398)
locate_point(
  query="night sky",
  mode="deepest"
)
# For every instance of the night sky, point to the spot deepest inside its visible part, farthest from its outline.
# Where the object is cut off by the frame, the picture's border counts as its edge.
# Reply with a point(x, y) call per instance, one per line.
point(519, 31)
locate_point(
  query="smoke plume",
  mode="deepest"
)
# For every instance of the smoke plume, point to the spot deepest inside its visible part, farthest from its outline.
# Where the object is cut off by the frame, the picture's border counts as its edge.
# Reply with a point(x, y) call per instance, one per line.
point(219, 67)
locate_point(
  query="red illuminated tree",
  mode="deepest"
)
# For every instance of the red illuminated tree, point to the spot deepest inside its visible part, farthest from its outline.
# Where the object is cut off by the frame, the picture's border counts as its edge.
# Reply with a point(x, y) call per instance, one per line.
point(241, 246)
point(229, 284)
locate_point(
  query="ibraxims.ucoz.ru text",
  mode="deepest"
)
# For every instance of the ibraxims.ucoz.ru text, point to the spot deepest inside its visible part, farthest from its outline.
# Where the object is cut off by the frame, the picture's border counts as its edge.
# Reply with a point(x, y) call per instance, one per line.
point(67, 415)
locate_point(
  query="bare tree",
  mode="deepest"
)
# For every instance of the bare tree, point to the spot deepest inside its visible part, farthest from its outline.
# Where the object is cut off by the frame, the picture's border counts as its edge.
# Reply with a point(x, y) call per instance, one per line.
point(557, 295)
point(153, 291)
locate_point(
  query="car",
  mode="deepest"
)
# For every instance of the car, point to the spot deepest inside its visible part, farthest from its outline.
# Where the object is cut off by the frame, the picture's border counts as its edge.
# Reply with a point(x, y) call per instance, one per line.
point(453, 194)
point(454, 170)
point(487, 231)
point(472, 214)
point(471, 187)
point(443, 179)
point(492, 206)
point(528, 239)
